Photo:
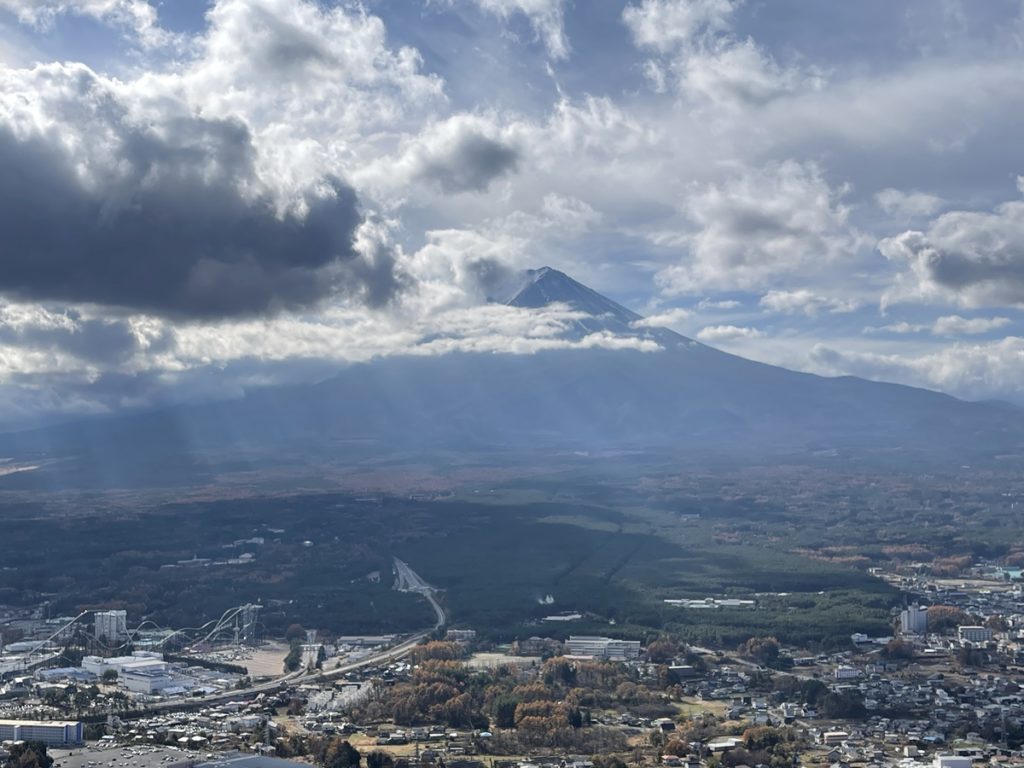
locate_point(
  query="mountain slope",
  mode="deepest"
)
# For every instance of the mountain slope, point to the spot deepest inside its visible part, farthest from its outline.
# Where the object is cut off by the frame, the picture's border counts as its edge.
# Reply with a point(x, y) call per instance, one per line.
point(687, 398)
point(546, 286)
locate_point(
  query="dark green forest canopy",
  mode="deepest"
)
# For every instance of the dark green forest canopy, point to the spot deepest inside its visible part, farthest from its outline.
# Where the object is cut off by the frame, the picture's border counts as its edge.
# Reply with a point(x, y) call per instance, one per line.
point(502, 564)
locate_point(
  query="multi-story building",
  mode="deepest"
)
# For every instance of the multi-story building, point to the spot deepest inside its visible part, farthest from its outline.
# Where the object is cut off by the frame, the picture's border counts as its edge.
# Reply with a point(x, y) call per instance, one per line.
point(111, 626)
point(147, 680)
point(53, 733)
point(974, 634)
point(603, 647)
point(138, 661)
point(914, 620)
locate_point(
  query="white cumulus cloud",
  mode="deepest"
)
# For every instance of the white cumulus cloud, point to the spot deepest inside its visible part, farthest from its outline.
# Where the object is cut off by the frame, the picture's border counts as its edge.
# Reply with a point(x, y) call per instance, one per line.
point(973, 258)
point(954, 325)
point(803, 301)
point(137, 17)
point(664, 319)
point(697, 51)
point(715, 333)
point(760, 227)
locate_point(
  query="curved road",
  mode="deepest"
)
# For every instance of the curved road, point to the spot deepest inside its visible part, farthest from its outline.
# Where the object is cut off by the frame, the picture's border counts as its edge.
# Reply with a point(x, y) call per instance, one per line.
point(409, 581)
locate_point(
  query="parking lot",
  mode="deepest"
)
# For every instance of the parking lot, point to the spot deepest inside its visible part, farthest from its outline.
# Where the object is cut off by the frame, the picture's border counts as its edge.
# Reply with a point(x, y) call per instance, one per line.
point(141, 756)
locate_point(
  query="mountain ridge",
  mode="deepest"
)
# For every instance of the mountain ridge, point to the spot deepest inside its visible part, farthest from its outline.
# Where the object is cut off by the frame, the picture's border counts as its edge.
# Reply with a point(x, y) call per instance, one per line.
point(686, 398)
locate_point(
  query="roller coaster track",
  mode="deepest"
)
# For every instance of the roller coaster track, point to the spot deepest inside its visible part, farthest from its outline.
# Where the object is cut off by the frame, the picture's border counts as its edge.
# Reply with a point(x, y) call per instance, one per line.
point(407, 580)
point(210, 628)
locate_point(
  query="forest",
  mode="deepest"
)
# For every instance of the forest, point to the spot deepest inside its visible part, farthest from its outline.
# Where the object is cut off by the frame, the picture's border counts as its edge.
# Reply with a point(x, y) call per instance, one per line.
point(501, 565)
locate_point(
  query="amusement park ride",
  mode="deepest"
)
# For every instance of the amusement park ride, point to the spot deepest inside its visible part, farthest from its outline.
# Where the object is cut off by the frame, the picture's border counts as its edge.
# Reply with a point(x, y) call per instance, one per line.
point(238, 626)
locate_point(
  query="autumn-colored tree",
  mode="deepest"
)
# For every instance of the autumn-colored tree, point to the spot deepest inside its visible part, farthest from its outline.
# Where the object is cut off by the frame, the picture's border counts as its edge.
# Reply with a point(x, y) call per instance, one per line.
point(627, 692)
point(437, 649)
point(542, 716)
point(600, 675)
point(943, 618)
point(763, 650)
point(951, 566)
point(559, 671)
point(703, 729)
point(439, 671)
point(677, 748)
point(1014, 559)
point(535, 692)
point(766, 737)
point(899, 649)
point(997, 623)
point(458, 711)
point(662, 651)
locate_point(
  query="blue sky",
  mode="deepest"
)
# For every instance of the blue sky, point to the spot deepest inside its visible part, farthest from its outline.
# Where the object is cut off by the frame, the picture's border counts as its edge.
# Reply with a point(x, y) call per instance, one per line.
point(207, 195)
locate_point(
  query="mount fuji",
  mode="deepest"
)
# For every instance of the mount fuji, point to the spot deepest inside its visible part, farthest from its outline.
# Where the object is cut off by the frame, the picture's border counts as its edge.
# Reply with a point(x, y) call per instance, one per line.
point(685, 398)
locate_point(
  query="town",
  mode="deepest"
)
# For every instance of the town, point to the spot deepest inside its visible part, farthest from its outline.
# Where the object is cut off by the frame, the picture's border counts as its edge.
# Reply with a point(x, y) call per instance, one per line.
point(938, 691)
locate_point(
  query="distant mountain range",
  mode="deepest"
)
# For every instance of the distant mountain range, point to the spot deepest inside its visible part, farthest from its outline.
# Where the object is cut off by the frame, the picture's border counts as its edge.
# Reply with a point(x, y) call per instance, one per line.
point(686, 399)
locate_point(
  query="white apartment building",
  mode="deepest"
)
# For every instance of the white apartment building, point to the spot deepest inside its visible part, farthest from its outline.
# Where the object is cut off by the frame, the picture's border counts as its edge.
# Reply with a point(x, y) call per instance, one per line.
point(111, 626)
point(974, 634)
point(53, 733)
point(603, 647)
point(914, 620)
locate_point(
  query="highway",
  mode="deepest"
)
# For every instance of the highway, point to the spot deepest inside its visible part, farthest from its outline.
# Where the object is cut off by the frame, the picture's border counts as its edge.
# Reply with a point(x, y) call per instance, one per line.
point(407, 580)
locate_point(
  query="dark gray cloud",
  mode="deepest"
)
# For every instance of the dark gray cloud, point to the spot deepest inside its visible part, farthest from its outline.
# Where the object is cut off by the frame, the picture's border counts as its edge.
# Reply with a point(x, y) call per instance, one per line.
point(172, 229)
point(469, 163)
point(495, 280)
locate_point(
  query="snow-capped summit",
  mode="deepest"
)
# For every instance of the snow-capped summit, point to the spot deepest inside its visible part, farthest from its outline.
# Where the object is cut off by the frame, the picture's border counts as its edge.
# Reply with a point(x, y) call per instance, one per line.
point(545, 286)
point(549, 286)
